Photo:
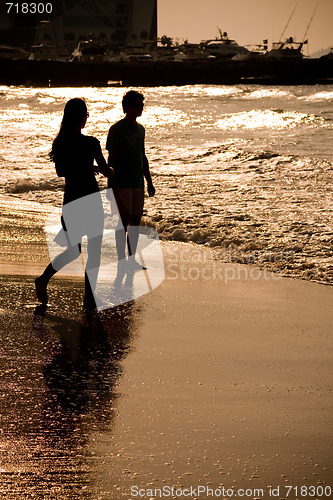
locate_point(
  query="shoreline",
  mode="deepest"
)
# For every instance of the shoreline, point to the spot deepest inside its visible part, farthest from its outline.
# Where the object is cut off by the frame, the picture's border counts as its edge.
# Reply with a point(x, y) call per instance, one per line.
point(282, 263)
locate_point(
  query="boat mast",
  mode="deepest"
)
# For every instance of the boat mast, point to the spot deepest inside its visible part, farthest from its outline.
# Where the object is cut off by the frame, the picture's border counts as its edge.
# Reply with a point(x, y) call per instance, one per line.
point(307, 29)
point(286, 26)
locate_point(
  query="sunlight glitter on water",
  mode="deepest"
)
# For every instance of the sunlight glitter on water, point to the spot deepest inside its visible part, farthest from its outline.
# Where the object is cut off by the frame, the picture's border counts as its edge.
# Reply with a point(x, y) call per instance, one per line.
point(269, 118)
point(264, 93)
point(319, 96)
point(156, 115)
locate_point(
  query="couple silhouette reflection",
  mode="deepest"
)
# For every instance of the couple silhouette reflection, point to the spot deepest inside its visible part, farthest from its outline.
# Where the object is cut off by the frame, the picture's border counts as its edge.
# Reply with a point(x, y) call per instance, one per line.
point(74, 155)
point(81, 369)
point(82, 361)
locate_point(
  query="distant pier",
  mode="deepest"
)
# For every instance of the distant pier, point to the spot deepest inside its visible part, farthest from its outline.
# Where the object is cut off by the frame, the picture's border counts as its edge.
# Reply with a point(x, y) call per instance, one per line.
point(157, 73)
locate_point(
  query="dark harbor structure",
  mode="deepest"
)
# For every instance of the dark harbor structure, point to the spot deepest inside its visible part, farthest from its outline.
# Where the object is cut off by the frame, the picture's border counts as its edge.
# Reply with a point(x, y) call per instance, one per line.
point(157, 73)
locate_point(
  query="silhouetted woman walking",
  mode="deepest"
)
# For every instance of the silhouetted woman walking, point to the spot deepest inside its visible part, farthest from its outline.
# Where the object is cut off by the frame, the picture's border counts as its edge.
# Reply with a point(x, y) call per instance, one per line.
point(73, 154)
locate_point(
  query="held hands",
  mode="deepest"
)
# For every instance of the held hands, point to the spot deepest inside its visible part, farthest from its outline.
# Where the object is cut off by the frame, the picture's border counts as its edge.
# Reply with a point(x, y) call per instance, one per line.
point(107, 172)
point(151, 189)
point(110, 172)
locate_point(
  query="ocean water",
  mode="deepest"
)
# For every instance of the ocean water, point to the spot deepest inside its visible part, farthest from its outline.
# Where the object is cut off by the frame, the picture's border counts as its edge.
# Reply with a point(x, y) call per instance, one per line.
point(246, 170)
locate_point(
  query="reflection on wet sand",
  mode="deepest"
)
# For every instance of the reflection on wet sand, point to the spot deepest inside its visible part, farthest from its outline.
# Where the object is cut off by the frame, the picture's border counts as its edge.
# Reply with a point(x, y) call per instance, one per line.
point(61, 394)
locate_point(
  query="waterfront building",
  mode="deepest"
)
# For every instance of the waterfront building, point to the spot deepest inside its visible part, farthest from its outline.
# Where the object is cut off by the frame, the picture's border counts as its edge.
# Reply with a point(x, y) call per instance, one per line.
point(113, 21)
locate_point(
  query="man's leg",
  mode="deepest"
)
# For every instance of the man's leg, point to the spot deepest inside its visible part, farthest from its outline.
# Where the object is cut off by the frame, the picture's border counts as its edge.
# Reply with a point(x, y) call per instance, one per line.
point(121, 239)
point(133, 232)
point(134, 226)
point(123, 200)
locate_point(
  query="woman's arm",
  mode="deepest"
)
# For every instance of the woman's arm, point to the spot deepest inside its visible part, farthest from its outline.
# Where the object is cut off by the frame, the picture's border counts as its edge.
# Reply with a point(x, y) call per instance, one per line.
point(103, 167)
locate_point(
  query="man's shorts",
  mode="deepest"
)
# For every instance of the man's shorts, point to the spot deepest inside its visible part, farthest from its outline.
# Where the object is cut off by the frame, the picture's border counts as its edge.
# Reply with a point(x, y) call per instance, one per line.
point(129, 201)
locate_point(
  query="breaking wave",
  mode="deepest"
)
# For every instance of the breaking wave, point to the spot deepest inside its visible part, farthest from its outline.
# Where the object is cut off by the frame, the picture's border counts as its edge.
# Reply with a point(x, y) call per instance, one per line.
point(27, 185)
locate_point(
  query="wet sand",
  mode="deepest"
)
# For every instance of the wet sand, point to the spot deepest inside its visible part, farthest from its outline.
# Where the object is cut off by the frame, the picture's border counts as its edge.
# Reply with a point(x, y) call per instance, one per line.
point(223, 382)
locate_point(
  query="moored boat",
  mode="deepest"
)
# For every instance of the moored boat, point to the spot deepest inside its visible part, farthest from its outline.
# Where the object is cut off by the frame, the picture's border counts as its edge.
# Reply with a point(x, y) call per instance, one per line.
point(88, 51)
point(286, 49)
point(223, 46)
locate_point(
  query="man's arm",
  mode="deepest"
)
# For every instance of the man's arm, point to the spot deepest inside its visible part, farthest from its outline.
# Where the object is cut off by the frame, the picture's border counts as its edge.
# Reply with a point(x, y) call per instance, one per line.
point(112, 163)
point(112, 158)
point(146, 173)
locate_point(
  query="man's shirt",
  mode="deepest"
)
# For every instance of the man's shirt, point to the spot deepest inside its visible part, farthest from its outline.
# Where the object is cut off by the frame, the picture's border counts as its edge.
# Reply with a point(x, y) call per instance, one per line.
point(127, 140)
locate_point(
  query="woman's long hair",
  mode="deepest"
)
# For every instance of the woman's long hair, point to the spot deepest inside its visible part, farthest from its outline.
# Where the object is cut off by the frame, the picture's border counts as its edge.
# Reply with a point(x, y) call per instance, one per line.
point(74, 113)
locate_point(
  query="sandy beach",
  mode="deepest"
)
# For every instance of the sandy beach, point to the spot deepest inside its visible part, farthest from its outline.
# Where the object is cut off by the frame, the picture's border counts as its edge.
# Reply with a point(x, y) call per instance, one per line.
point(219, 380)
